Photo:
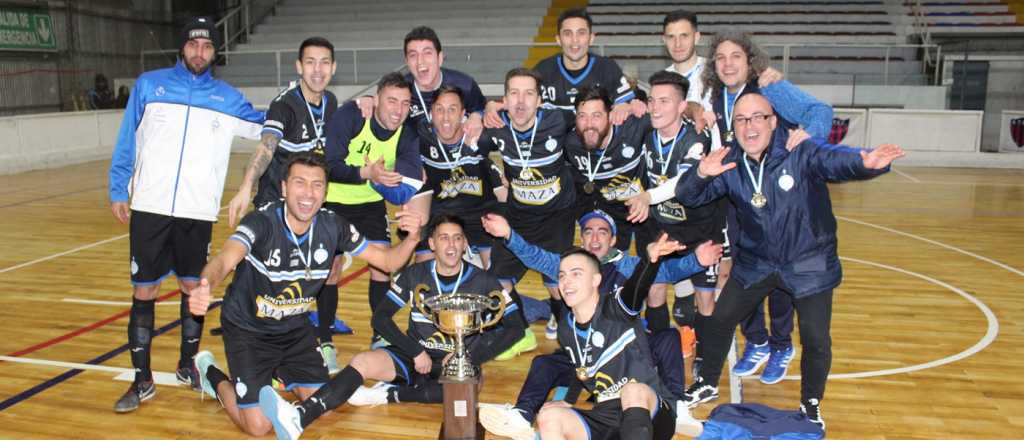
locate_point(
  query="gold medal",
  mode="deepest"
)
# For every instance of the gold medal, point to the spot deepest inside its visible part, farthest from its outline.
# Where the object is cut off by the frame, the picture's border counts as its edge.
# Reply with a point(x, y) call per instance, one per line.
point(525, 174)
point(662, 179)
point(729, 137)
point(588, 187)
point(581, 374)
point(319, 144)
point(759, 200)
point(309, 274)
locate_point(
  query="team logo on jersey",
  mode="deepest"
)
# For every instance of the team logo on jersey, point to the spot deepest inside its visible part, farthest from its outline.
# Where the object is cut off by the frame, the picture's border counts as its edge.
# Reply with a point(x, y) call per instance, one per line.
point(320, 255)
point(608, 388)
point(672, 211)
point(538, 190)
point(598, 339)
point(628, 151)
point(215, 124)
point(696, 151)
point(786, 181)
point(1017, 131)
point(439, 341)
point(550, 144)
point(240, 388)
point(839, 129)
point(217, 98)
point(160, 91)
point(289, 302)
point(622, 188)
point(460, 183)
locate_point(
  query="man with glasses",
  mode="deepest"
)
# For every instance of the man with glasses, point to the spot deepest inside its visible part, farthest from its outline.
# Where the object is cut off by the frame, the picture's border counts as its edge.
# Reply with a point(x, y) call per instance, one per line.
point(787, 236)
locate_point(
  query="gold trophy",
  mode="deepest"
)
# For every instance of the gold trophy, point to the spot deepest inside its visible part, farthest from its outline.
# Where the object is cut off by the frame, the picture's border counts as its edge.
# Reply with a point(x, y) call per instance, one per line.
point(460, 315)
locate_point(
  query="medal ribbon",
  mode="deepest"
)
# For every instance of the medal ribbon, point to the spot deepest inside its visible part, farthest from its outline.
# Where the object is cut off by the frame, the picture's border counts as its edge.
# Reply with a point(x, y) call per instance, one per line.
point(726, 104)
point(308, 258)
point(515, 139)
point(760, 173)
point(318, 128)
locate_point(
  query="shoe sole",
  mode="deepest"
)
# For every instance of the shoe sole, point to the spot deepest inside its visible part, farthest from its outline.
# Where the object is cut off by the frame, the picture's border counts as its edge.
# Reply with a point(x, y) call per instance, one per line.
point(268, 405)
point(757, 366)
point(704, 400)
point(494, 423)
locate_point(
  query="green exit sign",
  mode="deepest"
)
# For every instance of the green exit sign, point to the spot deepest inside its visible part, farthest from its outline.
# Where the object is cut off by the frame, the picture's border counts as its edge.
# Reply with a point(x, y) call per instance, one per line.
point(26, 29)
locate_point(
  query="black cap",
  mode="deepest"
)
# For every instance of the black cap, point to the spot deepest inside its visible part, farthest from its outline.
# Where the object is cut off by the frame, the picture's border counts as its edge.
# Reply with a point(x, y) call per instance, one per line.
point(200, 27)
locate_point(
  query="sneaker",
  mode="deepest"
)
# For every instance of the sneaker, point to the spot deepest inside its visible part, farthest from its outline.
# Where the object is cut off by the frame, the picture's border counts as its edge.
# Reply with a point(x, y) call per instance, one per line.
point(551, 330)
point(371, 396)
point(685, 423)
point(202, 362)
point(282, 414)
point(137, 393)
point(527, 343)
point(330, 355)
point(778, 363)
point(812, 409)
point(378, 342)
point(187, 376)
point(688, 340)
point(753, 357)
point(505, 420)
point(698, 393)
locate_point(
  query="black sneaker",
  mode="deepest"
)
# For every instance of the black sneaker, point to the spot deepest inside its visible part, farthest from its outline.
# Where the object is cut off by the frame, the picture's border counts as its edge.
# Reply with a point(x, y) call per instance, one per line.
point(698, 393)
point(812, 408)
point(137, 393)
point(187, 376)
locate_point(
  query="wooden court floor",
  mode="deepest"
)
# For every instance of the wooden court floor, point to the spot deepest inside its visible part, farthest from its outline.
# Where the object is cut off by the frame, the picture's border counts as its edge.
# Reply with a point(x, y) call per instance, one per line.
point(926, 329)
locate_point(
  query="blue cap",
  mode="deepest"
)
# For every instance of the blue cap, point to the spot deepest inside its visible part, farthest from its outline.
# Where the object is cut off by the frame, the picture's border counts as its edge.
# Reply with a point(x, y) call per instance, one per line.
point(597, 213)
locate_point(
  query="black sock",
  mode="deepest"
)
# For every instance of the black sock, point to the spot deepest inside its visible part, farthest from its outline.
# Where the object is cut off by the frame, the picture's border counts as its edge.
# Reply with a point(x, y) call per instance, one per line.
point(557, 308)
point(688, 309)
point(378, 291)
point(215, 376)
point(140, 335)
point(191, 333)
point(331, 395)
point(636, 424)
point(699, 323)
point(430, 392)
point(326, 310)
point(657, 318)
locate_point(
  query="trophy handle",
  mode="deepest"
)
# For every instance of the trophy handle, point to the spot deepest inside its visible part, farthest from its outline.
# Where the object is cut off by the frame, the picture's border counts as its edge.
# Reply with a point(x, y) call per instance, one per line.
point(417, 298)
point(495, 296)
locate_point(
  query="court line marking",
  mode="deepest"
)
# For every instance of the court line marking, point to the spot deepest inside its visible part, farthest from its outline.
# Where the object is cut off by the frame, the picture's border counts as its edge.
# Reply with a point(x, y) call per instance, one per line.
point(56, 380)
point(990, 334)
point(936, 243)
point(908, 176)
point(61, 254)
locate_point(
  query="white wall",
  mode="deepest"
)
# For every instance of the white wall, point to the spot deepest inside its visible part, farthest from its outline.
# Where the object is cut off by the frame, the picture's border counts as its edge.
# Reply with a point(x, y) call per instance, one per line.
point(51, 140)
point(926, 130)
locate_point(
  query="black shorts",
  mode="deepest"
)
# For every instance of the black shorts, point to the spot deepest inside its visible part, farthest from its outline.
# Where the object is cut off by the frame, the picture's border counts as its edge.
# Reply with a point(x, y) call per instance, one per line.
point(476, 236)
point(705, 280)
point(603, 420)
point(405, 366)
point(254, 359)
point(553, 233)
point(162, 245)
point(370, 219)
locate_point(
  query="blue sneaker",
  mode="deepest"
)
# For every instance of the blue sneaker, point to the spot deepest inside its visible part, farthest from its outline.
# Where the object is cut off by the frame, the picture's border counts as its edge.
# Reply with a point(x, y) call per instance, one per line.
point(753, 357)
point(778, 363)
point(202, 362)
point(282, 414)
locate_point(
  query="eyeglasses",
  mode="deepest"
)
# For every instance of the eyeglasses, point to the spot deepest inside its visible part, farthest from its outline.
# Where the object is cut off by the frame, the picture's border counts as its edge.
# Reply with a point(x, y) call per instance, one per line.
point(759, 118)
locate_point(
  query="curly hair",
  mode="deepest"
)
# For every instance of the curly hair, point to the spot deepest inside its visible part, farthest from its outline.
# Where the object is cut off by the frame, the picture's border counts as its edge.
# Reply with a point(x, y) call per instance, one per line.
point(756, 58)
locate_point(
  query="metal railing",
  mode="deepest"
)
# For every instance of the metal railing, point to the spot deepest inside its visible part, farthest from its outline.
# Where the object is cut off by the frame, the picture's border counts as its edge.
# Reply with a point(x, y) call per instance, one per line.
point(602, 49)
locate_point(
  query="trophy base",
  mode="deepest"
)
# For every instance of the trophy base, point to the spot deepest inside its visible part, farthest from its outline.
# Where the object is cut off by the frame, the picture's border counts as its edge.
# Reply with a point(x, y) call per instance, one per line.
point(478, 435)
point(460, 411)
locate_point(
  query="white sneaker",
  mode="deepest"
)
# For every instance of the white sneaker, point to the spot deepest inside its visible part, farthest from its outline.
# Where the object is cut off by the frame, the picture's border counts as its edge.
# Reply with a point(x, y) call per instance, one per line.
point(685, 423)
point(551, 331)
point(371, 396)
point(282, 414)
point(505, 420)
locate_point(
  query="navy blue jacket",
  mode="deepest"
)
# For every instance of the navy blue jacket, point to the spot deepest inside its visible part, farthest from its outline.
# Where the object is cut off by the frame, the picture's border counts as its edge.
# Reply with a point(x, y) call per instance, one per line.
point(794, 235)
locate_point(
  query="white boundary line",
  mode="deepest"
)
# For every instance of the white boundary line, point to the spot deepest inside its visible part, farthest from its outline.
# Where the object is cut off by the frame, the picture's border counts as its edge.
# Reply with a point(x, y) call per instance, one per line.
point(908, 176)
point(990, 334)
point(61, 254)
point(60, 364)
point(936, 243)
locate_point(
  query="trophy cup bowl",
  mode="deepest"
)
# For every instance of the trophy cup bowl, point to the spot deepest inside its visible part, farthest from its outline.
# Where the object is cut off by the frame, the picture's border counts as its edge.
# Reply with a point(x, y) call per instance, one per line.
point(460, 315)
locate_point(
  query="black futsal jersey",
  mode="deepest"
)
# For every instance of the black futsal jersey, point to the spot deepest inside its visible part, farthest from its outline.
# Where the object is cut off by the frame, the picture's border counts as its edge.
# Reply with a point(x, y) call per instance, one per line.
point(460, 177)
point(472, 98)
point(421, 333)
point(537, 173)
point(273, 289)
point(300, 128)
point(664, 162)
point(617, 171)
point(560, 86)
point(612, 347)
